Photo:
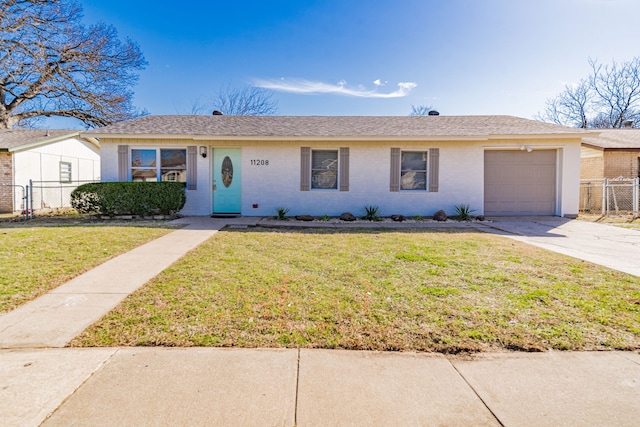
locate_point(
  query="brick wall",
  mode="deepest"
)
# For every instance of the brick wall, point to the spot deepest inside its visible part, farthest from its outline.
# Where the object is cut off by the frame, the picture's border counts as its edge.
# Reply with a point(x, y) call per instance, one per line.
point(6, 193)
point(621, 163)
point(592, 168)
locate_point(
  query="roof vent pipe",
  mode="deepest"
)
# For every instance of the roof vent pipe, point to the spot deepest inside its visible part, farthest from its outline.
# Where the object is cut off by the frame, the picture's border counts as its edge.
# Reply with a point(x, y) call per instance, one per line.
point(434, 113)
point(217, 113)
point(627, 124)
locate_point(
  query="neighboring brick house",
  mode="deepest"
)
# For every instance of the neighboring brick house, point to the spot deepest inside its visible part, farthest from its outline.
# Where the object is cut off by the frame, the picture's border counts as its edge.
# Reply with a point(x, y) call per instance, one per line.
point(614, 153)
point(55, 156)
point(317, 165)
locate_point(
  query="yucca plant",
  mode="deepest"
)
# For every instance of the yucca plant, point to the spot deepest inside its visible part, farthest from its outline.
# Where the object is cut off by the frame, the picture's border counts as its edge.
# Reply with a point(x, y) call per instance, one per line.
point(372, 213)
point(463, 212)
point(281, 214)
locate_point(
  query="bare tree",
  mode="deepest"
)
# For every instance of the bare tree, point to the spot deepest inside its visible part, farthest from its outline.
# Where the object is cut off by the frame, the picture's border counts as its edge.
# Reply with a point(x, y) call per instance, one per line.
point(569, 108)
point(52, 65)
point(248, 101)
point(420, 110)
point(617, 89)
point(608, 98)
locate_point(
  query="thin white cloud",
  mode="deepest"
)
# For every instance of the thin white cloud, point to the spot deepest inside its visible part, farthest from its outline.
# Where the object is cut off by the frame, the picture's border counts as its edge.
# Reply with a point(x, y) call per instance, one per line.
point(340, 88)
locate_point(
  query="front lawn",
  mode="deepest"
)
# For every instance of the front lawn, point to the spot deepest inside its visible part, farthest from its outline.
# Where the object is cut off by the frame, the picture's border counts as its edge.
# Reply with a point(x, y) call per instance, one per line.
point(37, 256)
point(421, 290)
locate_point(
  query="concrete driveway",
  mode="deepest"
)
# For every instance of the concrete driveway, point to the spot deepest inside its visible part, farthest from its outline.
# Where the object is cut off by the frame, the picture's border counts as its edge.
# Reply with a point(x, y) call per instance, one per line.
point(614, 247)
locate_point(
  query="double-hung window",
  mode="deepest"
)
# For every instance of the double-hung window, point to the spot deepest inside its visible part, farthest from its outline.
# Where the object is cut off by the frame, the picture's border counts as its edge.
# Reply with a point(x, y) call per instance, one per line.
point(324, 169)
point(165, 164)
point(413, 171)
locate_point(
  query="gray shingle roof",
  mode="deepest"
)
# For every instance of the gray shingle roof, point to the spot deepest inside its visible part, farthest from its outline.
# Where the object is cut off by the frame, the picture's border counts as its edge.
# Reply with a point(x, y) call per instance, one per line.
point(330, 126)
point(615, 139)
point(13, 138)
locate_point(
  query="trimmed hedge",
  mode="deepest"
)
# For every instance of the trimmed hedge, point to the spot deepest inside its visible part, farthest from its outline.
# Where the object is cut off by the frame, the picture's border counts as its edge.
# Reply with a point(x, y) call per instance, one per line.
point(129, 198)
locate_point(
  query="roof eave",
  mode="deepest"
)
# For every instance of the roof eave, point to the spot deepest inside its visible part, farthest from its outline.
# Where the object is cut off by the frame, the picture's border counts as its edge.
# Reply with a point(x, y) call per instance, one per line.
point(290, 137)
point(45, 141)
point(97, 136)
point(568, 135)
point(595, 147)
point(330, 137)
point(453, 137)
point(628, 149)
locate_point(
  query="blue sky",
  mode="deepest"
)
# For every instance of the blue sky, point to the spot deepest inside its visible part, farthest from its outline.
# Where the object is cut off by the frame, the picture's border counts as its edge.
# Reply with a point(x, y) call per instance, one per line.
point(371, 57)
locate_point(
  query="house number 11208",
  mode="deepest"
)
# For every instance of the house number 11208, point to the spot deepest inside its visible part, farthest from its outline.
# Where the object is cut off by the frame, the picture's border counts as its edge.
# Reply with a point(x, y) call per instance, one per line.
point(259, 162)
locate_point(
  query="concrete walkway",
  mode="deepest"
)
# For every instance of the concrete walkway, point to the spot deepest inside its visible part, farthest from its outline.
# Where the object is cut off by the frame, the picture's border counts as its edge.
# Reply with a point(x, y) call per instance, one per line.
point(56, 317)
point(42, 383)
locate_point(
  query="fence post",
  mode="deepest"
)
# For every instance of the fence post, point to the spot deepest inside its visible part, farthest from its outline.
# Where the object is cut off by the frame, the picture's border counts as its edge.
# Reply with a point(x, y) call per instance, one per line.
point(604, 197)
point(30, 211)
point(636, 192)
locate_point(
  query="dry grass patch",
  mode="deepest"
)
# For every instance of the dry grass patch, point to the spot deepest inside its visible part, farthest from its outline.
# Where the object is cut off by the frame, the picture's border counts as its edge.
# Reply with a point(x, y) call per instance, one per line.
point(417, 290)
point(36, 257)
point(618, 221)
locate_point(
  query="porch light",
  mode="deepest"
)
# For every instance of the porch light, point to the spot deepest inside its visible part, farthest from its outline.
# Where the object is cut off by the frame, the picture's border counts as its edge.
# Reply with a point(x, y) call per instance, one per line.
point(203, 151)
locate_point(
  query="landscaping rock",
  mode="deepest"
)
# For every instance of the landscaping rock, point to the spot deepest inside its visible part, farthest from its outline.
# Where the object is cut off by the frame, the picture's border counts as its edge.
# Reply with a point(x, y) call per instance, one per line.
point(347, 216)
point(480, 217)
point(304, 218)
point(398, 218)
point(440, 215)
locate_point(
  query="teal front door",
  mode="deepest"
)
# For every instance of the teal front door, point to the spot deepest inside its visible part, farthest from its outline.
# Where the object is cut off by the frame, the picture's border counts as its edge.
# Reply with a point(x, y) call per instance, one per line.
point(226, 181)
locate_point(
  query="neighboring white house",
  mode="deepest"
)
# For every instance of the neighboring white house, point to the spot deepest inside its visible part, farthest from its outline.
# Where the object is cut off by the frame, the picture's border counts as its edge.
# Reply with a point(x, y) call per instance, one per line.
point(51, 159)
point(317, 165)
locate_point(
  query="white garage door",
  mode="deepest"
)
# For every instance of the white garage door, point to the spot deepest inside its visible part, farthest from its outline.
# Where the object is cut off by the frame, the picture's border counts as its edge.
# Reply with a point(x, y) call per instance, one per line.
point(519, 183)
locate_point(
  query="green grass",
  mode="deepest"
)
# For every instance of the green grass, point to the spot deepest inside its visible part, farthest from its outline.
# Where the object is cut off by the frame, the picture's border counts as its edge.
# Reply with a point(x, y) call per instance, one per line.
point(36, 257)
point(415, 290)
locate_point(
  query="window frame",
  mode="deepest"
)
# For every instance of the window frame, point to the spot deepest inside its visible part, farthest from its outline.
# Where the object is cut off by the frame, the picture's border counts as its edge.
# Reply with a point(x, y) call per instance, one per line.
point(157, 163)
point(68, 173)
point(336, 169)
point(425, 171)
point(433, 169)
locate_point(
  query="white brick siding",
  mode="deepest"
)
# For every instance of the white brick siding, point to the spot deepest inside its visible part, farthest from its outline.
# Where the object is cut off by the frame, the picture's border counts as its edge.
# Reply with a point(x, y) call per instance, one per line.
point(461, 177)
point(278, 185)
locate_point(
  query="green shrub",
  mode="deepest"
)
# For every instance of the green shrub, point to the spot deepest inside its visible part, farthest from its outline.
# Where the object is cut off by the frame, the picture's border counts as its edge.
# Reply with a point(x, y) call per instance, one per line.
point(129, 198)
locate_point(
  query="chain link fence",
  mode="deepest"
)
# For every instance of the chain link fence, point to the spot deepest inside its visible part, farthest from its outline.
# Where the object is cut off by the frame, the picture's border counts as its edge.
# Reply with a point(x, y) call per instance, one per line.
point(51, 195)
point(610, 197)
point(37, 196)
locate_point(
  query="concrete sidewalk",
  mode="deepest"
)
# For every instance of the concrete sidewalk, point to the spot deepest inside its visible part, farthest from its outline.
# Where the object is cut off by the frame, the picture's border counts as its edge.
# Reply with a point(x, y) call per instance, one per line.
point(287, 387)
